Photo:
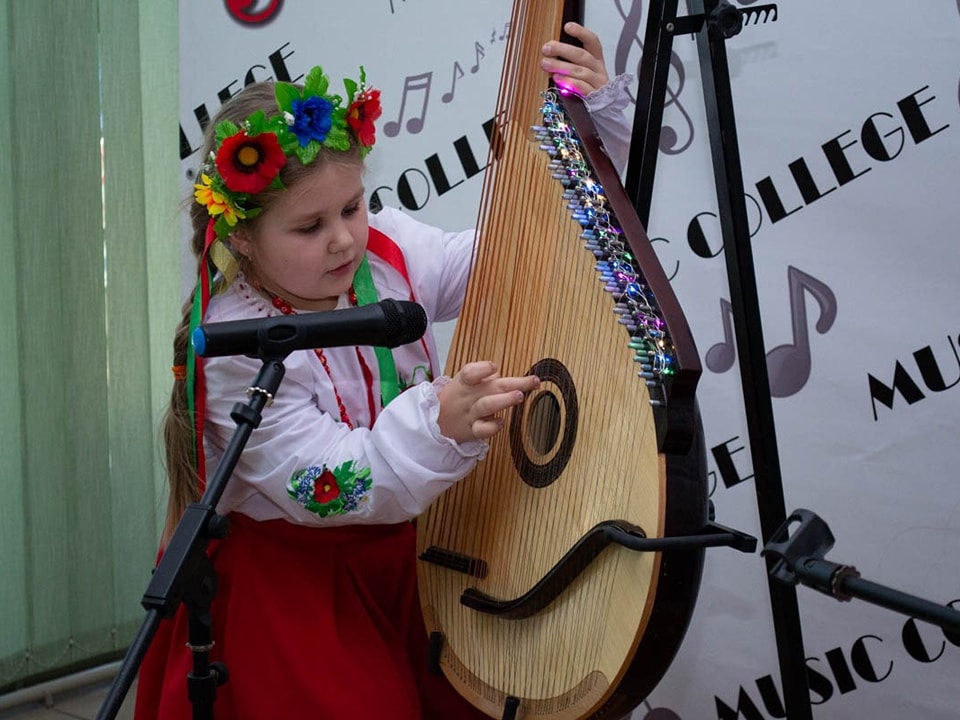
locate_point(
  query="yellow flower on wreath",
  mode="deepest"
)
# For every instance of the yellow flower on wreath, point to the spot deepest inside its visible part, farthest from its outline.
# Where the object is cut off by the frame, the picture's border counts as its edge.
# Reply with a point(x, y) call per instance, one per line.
point(215, 202)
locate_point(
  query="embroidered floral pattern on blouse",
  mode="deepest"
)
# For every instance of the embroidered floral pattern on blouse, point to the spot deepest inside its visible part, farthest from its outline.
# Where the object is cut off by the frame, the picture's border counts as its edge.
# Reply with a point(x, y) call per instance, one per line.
point(330, 492)
point(421, 373)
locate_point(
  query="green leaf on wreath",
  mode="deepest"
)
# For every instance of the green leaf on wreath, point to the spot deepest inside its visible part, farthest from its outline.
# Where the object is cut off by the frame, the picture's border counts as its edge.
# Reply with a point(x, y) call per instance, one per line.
point(351, 87)
point(316, 82)
point(257, 122)
point(309, 153)
point(286, 94)
point(222, 228)
point(225, 129)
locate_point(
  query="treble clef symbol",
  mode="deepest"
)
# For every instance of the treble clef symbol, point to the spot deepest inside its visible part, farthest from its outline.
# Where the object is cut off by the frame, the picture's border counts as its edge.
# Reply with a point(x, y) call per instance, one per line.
point(629, 36)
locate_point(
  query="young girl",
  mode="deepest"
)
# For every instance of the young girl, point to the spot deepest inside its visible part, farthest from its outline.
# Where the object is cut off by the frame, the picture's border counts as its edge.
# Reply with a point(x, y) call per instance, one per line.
point(316, 612)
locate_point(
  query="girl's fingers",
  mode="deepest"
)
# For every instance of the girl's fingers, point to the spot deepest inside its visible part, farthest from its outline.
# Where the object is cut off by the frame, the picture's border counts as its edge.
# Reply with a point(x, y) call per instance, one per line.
point(485, 428)
point(490, 405)
point(476, 372)
point(581, 69)
point(591, 44)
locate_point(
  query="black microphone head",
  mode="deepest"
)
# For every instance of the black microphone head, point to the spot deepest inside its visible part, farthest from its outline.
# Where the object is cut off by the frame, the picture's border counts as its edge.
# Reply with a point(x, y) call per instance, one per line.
point(407, 321)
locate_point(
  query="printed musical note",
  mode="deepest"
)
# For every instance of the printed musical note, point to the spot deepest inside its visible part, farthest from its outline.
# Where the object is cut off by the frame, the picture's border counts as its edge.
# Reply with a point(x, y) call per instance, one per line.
point(789, 364)
point(659, 713)
point(504, 34)
point(720, 357)
point(478, 49)
point(457, 73)
point(412, 84)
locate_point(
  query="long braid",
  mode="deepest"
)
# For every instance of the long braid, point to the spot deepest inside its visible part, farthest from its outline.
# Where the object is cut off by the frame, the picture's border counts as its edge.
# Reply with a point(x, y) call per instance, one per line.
point(178, 436)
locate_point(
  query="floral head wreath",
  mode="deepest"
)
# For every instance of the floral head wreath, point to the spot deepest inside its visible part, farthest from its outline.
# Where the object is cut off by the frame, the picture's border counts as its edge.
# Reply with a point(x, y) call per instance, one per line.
point(247, 158)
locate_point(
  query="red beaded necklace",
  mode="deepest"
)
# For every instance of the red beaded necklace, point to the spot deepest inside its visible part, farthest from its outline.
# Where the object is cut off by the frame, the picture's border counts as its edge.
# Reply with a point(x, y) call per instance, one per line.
point(284, 307)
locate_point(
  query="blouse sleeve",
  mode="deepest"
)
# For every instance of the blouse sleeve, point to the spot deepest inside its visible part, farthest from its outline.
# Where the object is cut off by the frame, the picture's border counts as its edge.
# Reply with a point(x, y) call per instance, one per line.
point(307, 466)
point(607, 105)
point(439, 261)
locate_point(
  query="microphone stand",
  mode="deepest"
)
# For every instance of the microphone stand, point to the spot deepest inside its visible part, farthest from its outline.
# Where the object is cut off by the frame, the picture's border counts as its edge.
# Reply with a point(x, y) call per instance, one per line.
point(800, 559)
point(185, 573)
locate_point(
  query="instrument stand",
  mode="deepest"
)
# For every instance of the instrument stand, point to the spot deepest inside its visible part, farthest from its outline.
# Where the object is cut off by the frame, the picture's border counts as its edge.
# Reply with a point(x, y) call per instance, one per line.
point(567, 569)
point(800, 559)
point(714, 21)
point(185, 574)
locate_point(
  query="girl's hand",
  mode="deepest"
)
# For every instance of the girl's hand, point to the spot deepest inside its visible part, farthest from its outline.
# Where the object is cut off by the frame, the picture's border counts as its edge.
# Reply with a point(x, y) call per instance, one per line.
point(471, 401)
point(579, 69)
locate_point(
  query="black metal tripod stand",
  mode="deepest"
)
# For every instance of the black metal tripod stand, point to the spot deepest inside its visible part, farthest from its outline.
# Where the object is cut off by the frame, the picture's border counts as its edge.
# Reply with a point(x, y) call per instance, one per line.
point(713, 22)
point(185, 574)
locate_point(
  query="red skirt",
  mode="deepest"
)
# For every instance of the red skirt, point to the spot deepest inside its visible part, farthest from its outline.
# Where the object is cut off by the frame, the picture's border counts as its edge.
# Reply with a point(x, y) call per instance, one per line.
point(310, 622)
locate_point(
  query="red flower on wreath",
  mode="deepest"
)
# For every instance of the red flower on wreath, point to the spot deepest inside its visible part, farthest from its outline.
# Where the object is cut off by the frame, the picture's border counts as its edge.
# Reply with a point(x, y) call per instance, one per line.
point(325, 488)
point(249, 164)
point(361, 115)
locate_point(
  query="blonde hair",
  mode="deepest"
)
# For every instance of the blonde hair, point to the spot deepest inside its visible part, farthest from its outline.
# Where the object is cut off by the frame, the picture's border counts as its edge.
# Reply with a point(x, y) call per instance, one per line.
point(178, 423)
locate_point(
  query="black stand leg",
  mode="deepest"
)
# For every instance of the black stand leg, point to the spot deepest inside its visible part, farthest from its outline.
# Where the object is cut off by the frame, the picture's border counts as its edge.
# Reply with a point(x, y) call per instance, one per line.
point(185, 574)
point(648, 116)
point(750, 349)
point(714, 21)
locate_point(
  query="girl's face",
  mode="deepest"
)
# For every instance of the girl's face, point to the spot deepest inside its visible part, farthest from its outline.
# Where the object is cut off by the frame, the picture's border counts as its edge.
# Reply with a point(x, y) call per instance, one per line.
point(308, 244)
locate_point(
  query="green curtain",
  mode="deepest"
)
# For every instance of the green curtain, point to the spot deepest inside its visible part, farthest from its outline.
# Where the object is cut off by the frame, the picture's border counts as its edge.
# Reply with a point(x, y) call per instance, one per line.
point(90, 286)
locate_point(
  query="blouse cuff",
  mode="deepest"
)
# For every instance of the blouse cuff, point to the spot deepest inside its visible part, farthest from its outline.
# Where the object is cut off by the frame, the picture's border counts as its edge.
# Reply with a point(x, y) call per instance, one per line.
point(613, 95)
point(468, 449)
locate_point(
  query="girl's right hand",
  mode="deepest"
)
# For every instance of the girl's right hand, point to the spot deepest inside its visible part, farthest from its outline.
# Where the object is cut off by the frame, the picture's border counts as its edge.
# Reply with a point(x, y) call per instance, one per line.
point(471, 401)
point(581, 69)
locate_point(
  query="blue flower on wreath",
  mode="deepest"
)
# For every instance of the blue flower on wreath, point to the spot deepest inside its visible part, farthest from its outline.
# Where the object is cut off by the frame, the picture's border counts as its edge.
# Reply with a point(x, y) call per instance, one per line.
point(312, 119)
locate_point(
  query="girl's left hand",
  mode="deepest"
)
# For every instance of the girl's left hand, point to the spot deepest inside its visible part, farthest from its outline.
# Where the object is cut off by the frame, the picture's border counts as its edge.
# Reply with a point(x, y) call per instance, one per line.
point(580, 69)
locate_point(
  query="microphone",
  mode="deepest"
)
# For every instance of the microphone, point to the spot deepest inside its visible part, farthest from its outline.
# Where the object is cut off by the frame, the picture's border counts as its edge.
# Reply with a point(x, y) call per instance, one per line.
point(388, 323)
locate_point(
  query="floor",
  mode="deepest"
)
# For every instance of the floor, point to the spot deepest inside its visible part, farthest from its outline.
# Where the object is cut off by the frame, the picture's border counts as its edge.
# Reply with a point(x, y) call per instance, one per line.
point(82, 704)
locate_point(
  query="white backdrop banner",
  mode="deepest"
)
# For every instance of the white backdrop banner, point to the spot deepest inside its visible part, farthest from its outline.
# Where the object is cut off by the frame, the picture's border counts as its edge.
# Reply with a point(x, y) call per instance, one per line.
point(848, 117)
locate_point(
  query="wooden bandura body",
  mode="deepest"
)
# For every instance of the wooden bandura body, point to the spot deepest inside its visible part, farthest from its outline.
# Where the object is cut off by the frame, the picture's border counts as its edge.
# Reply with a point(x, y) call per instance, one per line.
point(607, 440)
